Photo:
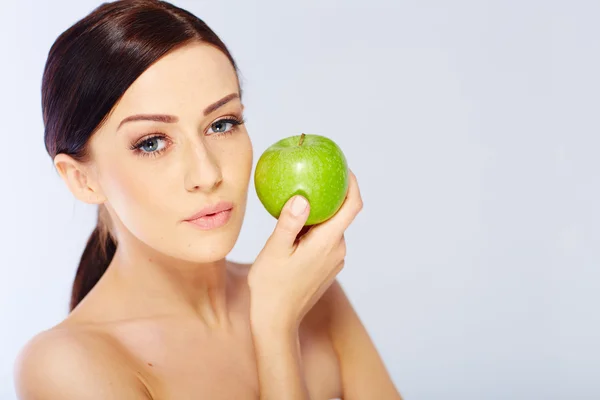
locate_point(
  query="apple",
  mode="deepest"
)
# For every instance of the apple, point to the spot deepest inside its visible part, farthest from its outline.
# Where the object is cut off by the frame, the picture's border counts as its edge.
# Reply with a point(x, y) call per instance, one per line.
point(313, 166)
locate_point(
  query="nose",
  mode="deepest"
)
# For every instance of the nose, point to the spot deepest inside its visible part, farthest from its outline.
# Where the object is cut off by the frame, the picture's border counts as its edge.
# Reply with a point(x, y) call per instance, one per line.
point(202, 170)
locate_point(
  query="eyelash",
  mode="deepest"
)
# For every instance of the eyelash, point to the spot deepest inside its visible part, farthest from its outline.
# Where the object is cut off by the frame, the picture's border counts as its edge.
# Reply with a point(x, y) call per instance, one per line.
point(137, 145)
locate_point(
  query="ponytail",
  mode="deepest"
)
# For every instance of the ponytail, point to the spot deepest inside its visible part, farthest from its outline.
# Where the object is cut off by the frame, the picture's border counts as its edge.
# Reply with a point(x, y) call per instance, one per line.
point(96, 257)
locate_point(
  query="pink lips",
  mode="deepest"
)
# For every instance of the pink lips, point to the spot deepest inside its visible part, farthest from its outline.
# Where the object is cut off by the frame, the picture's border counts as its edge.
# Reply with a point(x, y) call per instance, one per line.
point(213, 216)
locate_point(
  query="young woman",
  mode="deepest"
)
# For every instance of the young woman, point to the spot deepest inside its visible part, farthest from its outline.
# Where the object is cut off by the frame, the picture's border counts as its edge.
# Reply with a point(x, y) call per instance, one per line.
point(143, 114)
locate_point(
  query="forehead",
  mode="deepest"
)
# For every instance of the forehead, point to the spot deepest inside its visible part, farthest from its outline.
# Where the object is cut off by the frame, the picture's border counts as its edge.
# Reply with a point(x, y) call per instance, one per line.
point(184, 81)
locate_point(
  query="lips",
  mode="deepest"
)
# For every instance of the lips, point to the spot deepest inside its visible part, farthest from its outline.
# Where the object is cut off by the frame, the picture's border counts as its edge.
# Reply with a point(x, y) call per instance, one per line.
point(211, 210)
point(211, 221)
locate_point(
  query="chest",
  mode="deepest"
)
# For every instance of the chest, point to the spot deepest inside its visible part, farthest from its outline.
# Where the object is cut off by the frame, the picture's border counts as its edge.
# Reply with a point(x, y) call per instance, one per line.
point(183, 364)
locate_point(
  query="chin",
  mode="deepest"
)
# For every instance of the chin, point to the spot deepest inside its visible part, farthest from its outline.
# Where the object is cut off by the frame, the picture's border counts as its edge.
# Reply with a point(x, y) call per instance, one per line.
point(197, 250)
point(203, 246)
point(188, 242)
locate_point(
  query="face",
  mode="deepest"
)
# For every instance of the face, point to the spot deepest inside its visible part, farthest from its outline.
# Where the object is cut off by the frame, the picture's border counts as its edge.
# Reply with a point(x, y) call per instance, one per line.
point(156, 174)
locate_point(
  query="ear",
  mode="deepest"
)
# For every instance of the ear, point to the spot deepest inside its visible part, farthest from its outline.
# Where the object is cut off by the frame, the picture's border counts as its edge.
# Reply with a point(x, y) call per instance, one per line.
point(80, 178)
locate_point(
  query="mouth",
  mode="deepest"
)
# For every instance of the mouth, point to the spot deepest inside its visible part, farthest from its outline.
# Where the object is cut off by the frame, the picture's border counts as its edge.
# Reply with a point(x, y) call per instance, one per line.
point(212, 217)
point(212, 220)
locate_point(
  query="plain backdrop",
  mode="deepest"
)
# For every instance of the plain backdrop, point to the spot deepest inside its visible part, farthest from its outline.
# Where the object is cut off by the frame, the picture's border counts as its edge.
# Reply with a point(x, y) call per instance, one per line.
point(472, 127)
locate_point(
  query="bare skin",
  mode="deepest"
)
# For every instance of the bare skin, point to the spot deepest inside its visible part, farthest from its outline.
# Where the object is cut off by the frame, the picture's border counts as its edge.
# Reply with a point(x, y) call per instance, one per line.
point(172, 318)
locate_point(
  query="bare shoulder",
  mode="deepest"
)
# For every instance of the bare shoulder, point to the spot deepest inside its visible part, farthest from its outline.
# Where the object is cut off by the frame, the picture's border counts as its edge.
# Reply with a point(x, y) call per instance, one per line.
point(68, 363)
point(364, 374)
point(332, 306)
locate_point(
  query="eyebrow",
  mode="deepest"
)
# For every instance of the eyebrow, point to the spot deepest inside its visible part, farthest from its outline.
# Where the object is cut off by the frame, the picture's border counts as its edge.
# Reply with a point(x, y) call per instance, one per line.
point(171, 118)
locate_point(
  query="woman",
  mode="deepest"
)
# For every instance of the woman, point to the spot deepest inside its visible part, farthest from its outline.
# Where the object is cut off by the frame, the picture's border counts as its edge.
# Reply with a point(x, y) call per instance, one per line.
point(143, 113)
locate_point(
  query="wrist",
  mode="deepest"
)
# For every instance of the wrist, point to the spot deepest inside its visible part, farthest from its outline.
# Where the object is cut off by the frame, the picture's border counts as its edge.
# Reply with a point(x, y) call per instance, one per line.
point(272, 324)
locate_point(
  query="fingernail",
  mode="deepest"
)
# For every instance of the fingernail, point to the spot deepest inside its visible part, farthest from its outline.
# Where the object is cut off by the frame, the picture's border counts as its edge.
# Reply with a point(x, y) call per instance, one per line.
point(299, 206)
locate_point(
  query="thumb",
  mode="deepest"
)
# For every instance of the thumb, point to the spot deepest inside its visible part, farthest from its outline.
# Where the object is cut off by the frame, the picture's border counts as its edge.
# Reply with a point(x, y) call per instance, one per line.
point(290, 222)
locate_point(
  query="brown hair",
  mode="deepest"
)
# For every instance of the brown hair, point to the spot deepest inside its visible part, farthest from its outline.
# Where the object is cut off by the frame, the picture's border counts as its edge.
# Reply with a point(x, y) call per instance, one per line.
point(88, 69)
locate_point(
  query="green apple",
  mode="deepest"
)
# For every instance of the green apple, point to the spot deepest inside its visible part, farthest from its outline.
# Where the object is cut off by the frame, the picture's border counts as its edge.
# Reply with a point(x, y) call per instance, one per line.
point(313, 166)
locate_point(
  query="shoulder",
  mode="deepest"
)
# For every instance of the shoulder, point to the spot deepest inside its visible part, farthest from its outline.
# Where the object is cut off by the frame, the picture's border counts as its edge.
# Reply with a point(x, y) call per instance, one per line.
point(334, 306)
point(68, 364)
point(364, 374)
point(327, 316)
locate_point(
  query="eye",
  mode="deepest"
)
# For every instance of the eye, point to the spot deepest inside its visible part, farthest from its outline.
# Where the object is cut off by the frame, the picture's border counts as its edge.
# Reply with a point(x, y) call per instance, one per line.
point(152, 145)
point(223, 126)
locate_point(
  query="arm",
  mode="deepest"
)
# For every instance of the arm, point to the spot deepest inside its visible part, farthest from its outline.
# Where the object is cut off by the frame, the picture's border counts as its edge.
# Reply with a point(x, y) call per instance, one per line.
point(278, 360)
point(55, 365)
point(286, 280)
point(364, 375)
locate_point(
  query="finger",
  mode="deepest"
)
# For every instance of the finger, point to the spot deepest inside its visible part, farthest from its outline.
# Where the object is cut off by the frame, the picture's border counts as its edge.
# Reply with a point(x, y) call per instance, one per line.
point(289, 224)
point(338, 268)
point(336, 225)
point(341, 249)
point(303, 232)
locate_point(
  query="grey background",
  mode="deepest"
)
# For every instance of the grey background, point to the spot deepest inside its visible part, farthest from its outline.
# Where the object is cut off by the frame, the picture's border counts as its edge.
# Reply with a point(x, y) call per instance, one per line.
point(472, 127)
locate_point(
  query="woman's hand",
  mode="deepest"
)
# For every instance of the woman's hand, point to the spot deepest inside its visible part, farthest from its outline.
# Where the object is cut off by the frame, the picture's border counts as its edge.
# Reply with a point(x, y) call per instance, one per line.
point(286, 280)
point(290, 275)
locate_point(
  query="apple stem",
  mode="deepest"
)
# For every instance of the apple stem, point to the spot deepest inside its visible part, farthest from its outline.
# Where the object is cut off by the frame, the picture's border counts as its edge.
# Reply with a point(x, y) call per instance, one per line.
point(301, 139)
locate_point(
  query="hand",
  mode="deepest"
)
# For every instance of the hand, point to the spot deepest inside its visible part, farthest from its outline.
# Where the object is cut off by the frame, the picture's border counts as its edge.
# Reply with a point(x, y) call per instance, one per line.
point(290, 275)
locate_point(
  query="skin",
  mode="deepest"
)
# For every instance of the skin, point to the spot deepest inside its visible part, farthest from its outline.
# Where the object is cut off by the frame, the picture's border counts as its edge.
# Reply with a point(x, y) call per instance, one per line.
point(172, 317)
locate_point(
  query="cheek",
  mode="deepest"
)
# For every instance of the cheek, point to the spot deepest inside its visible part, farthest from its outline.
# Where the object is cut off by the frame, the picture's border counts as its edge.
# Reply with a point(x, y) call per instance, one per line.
point(133, 184)
point(139, 192)
point(237, 161)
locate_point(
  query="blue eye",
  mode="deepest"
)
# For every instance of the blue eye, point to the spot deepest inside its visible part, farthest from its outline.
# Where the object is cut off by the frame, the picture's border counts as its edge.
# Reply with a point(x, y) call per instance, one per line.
point(224, 126)
point(221, 126)
point(152, 144)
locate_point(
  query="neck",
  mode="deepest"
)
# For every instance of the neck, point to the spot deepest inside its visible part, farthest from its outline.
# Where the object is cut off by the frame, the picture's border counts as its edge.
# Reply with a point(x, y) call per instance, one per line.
point(168, 286)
